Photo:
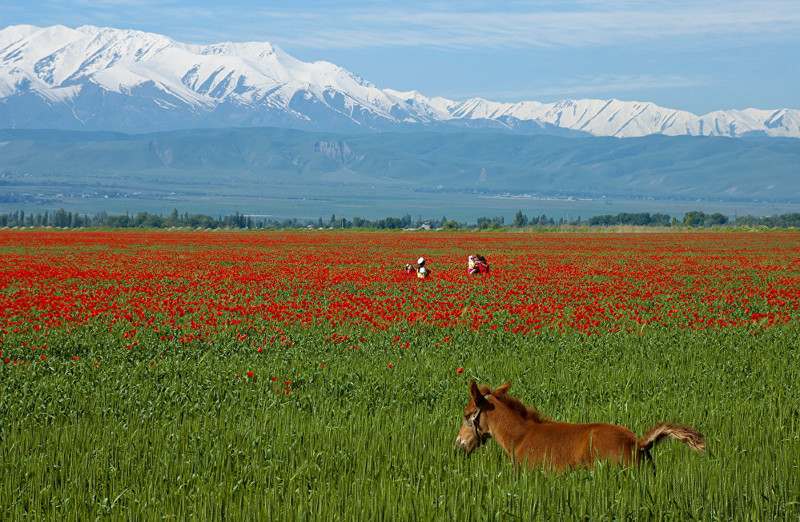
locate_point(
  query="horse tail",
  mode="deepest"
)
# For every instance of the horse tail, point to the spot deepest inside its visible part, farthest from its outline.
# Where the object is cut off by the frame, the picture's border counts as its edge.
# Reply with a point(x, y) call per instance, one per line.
point(689, 436)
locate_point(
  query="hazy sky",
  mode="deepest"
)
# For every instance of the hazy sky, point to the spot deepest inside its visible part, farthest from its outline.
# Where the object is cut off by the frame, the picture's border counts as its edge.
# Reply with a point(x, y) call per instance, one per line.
point(698, 56)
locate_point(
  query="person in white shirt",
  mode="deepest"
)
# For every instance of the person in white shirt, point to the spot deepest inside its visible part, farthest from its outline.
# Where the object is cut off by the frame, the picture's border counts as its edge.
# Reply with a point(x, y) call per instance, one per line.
point(422, 271)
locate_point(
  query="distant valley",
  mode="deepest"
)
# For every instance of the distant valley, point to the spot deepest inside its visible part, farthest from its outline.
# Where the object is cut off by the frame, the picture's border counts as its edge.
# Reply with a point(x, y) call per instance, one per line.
point(376, 175)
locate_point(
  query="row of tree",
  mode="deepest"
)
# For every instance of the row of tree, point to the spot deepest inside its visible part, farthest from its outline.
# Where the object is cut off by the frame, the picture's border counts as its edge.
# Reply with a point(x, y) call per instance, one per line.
point(63, 219)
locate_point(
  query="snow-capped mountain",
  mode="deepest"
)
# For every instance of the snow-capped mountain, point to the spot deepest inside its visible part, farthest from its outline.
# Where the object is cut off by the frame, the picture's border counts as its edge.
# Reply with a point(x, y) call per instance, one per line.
point(93, 78)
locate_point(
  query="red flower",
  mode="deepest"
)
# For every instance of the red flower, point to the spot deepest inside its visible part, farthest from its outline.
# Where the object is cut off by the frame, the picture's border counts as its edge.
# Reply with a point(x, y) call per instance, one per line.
point(390, 366)
point(249, 374)
point(43, 357)
point(668, 283)
point(74, 358)
point(460, 370)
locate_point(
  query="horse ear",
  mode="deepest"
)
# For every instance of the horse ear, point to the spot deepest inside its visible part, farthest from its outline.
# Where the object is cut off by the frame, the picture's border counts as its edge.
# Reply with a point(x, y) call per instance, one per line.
point(502, 390)
point(475, 392)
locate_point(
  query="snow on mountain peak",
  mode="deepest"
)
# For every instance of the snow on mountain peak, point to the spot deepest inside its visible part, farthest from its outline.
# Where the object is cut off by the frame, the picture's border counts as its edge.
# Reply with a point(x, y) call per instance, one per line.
point(154, 78)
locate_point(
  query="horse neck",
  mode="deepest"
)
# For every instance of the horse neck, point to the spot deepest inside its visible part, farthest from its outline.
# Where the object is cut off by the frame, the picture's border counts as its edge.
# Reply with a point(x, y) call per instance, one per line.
point(507, 426)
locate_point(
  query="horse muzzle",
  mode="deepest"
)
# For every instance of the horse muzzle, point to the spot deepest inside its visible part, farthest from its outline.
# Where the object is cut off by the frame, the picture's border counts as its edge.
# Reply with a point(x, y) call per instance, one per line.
point(466, 444)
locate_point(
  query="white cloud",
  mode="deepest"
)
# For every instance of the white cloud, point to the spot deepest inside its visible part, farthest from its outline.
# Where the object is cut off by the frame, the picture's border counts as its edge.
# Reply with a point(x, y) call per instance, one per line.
point(582, 24)
point(469, 24)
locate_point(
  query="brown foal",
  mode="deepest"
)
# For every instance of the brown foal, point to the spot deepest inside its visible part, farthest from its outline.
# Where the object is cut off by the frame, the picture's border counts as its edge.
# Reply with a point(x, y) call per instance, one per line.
point(529, 437)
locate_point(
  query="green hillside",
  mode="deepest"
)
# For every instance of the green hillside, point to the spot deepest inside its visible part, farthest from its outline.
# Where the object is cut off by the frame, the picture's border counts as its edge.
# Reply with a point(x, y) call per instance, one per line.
point(187, 168)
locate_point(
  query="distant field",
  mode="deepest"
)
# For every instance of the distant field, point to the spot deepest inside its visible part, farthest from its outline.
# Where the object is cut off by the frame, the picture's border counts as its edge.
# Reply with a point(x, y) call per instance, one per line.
point(303, 375)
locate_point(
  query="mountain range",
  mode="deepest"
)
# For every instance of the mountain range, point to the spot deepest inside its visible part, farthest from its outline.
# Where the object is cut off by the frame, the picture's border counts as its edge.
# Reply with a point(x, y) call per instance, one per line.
point(93, 78)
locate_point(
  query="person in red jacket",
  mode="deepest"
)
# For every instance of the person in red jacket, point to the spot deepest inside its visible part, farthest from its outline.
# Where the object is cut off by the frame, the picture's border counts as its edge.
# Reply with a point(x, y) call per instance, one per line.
point(481, 265)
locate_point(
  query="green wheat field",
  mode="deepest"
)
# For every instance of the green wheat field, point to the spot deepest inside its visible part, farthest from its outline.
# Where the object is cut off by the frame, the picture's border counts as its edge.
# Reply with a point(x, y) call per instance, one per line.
point(361, 424)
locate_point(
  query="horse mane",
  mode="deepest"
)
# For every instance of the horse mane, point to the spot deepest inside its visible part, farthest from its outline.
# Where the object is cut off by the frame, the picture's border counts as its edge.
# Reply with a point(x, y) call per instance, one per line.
point(526, 412)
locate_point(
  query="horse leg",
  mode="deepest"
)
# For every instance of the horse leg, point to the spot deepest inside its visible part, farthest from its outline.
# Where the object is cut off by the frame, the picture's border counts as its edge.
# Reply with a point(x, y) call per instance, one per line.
point(649, 458)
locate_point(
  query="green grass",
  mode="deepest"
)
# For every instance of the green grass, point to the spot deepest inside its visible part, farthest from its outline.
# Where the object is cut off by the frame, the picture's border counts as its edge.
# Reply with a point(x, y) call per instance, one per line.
point(185, 438)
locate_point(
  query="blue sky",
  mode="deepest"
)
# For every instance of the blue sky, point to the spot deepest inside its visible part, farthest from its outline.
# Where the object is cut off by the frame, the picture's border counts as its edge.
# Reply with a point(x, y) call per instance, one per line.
point(698, 56)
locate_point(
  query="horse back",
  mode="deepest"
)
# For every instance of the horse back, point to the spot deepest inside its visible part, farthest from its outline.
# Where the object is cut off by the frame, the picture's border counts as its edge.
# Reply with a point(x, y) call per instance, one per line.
point(563, 445)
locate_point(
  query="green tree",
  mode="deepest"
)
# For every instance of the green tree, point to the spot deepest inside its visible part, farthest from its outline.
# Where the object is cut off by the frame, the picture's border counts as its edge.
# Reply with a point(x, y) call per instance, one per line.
point(694, 218)
point(173, 218)
point(520, 219)
point(715, 219)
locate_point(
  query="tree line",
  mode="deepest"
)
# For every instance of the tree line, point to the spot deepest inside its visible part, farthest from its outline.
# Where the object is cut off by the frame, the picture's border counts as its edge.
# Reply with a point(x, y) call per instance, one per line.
point(64, 219)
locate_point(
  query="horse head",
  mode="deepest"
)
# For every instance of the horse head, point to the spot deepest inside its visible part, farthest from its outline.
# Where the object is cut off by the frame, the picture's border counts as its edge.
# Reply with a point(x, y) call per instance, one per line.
point(474, 426)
